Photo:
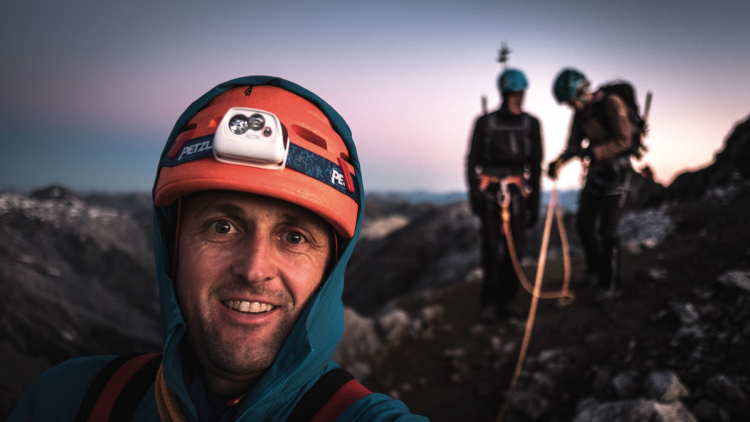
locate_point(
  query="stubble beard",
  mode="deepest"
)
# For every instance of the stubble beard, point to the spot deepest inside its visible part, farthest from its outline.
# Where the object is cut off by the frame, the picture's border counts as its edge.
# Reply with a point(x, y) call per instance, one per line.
point(233, 357)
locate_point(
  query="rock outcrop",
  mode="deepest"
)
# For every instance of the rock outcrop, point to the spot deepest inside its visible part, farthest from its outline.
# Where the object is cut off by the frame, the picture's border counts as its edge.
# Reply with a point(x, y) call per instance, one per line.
point(731, 165)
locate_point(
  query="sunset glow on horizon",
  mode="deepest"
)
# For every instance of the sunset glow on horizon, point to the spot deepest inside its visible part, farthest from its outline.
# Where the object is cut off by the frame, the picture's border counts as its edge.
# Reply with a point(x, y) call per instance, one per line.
point(91, 91)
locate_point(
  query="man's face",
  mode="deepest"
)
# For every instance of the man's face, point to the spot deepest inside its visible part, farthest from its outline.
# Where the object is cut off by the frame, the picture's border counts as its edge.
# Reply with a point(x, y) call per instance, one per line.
point(514, 101)
point(576, 104)
point(247, 266)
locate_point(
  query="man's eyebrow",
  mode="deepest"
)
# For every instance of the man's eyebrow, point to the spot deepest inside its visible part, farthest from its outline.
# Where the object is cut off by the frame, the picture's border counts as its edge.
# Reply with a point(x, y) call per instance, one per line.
point(222, 208)
point(303, 218)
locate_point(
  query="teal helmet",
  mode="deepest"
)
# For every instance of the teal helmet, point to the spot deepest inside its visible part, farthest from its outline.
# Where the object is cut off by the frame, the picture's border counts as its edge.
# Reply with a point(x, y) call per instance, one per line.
point(567, 84)
point(512, 80)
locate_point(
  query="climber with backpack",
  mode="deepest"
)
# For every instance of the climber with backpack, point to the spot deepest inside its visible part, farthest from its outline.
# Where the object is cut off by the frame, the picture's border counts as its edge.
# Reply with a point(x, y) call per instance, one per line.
point(606, 131)
point(258, 203)
point(504, 164)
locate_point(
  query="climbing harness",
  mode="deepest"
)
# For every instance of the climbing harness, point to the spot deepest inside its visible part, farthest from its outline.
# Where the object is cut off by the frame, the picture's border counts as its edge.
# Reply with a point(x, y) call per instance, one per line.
point(503, 198)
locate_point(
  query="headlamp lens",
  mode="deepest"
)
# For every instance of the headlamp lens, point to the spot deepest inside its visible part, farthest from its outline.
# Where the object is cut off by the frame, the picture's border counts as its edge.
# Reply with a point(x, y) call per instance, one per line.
point(238, 124)
point(257, 122)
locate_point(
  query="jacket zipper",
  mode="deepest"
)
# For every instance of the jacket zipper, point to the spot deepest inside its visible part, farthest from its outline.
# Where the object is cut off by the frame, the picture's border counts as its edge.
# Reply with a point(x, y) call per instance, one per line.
point(275, 387)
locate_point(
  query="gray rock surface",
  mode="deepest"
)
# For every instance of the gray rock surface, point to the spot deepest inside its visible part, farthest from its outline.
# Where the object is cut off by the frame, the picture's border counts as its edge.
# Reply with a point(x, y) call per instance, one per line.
point(665, 387)
point(627, 384)
point(723, 388)
point(359, 345)
point(636, 411)
point(394, 325)
point(707, 411)
point(736, 278)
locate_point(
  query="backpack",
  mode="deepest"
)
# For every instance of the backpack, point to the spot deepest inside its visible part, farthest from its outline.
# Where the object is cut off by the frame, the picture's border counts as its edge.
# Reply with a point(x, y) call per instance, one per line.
point(119, 387)
point(626, 92)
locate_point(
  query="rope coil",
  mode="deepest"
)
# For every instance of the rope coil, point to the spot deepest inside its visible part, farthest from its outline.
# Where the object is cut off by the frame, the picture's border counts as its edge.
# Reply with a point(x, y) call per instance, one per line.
point(565, 296)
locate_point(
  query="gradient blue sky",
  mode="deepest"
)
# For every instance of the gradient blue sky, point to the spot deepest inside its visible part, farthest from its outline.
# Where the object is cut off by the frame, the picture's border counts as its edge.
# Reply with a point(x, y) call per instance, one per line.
point(90, 90)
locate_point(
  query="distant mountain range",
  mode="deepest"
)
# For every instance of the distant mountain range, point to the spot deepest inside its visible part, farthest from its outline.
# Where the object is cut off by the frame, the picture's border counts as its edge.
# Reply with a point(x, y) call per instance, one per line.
point(568, 198)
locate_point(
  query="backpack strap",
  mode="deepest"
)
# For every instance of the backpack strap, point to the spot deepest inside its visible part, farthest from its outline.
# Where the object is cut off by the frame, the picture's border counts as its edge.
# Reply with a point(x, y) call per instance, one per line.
point(119, 387)
point(333, 393)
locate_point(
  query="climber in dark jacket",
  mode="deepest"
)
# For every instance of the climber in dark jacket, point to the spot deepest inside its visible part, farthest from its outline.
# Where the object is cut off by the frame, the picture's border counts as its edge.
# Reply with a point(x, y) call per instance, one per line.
point(602, 119)
point(506, 146)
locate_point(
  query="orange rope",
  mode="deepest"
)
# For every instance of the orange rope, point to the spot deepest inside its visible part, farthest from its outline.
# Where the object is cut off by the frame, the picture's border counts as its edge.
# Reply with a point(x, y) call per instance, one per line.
point(566, 297)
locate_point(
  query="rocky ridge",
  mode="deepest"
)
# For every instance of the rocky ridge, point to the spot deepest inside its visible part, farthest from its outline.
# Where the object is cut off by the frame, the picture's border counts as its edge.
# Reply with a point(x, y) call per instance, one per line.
point(78, 278)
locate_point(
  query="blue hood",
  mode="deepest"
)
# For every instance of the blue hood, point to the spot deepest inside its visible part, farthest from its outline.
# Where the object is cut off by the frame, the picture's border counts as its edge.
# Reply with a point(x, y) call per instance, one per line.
point(308, 350)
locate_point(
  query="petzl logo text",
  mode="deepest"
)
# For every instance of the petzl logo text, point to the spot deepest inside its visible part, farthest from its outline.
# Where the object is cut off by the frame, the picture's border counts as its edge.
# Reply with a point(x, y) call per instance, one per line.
point(337, 178)
point(196, 148)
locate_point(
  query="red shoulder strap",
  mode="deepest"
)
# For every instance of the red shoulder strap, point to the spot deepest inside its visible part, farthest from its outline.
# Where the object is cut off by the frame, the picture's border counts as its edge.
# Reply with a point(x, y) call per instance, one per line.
point(119, 387)
point(331, 394)
point(345, 397)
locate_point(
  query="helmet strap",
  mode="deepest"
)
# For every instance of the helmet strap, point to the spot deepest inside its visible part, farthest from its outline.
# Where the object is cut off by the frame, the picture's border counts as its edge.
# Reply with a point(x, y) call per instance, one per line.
point(176, 237)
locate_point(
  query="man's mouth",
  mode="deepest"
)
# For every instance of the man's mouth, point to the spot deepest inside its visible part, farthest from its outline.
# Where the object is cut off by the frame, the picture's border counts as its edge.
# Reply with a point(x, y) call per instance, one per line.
point(247, 307)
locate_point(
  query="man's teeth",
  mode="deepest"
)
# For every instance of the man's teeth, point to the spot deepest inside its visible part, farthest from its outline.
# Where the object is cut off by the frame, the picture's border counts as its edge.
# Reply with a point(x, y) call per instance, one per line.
point(249, 307)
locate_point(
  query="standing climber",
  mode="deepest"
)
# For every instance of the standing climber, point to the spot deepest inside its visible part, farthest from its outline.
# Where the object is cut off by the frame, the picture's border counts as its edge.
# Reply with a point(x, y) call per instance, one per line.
point(506, 150)
point(608, 119)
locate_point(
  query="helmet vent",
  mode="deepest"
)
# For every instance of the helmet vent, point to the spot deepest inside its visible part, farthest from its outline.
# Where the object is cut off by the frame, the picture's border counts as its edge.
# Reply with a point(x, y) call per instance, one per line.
point(309, 136)
point(189, 127)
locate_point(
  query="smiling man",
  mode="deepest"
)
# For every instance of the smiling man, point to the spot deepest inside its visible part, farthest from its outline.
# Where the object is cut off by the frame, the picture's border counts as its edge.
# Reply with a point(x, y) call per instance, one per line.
point(258, 204)
point(248, 267)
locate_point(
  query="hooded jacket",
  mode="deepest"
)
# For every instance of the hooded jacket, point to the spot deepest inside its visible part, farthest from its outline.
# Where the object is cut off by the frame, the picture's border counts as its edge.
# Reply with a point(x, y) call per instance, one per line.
point(305, 356)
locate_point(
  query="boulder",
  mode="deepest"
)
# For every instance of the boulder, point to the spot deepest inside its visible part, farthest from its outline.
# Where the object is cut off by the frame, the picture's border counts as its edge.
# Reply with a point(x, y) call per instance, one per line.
point(731, 163)
point(533, 406)
point(737, 278)
point(665, 387)
point(636, 411)
point(707, 411)
point(394, 325)
point(724, 389)
point(360, 343)
point(626, 384)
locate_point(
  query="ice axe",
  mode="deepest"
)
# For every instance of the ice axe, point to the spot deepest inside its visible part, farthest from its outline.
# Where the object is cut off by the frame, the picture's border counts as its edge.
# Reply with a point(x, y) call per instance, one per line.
point(646, 109)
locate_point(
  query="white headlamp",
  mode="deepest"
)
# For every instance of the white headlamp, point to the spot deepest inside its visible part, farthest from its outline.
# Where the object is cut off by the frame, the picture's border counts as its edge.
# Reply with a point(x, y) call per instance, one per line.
point(251, 137)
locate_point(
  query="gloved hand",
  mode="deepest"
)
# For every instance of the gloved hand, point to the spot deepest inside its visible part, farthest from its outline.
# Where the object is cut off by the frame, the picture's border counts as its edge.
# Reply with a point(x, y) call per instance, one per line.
point(586, 152)
point(553, 169)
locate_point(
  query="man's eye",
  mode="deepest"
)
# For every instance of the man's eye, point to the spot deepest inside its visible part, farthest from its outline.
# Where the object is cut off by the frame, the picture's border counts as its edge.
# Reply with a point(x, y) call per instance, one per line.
point(295, 238)
point(221, 226)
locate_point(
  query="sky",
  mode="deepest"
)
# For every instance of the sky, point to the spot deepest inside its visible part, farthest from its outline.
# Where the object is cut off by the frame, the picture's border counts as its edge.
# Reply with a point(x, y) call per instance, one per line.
point(90, 90)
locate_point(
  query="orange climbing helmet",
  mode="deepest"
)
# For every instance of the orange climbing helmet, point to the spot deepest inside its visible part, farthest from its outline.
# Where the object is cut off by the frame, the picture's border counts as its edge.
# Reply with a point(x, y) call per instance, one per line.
point(270, 137)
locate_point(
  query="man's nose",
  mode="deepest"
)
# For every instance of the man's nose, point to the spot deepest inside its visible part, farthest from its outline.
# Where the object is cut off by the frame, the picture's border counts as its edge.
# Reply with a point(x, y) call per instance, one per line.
point(255, 260)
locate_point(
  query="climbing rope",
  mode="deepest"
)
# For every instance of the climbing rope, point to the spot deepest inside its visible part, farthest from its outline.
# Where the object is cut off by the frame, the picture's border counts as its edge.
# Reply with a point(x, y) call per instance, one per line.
point(565, 296)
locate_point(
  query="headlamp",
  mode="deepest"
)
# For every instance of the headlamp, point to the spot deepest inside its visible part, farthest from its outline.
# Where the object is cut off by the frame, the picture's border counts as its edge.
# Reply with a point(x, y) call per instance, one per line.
point(256, 121)
point(251, 137)
point(238, 124)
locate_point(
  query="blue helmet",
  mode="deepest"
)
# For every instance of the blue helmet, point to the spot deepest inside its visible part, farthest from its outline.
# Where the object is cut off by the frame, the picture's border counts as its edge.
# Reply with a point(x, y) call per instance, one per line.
point(567, 84)
point(512, 80)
